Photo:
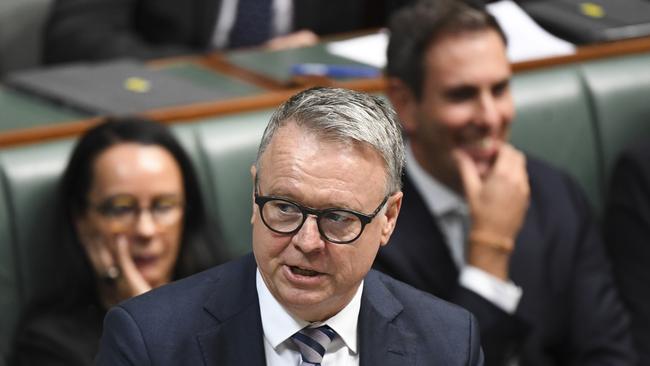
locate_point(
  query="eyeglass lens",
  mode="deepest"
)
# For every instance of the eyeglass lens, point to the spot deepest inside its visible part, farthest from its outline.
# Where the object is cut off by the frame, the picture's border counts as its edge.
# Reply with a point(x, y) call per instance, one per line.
point(336, 225)
point(125, 209)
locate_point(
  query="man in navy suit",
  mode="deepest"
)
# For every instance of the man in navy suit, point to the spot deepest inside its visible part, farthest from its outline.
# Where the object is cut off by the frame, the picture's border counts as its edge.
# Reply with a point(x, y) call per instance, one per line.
point(483, 225)
point(327, 195)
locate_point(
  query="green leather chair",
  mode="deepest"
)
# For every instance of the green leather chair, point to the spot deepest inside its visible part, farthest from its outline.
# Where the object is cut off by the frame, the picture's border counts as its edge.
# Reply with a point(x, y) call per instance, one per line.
point(9, 300)
point(555, 123)
point(620, 90)
point(230, 146)
point(30, 176)
point(21, 29)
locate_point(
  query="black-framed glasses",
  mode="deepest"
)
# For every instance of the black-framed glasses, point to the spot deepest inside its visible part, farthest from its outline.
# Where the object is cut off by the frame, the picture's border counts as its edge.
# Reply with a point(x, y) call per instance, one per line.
point(336, 225)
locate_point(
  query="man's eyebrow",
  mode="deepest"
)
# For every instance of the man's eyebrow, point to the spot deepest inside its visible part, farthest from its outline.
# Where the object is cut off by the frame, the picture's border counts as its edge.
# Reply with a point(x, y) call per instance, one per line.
point(502, 82)
point(287, 195)
point(460, 91)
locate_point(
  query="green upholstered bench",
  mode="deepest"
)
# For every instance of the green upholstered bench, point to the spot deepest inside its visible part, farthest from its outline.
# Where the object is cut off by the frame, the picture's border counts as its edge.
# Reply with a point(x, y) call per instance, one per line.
point(21, 29)
point(554, 121)
point(575, 117)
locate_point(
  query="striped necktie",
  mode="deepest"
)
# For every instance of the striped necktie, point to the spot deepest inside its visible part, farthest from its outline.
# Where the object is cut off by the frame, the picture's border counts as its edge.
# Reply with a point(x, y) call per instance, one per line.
point(312, 343)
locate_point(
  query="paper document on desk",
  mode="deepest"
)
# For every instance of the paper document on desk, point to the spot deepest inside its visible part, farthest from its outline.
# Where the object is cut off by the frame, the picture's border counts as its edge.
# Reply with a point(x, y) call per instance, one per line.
point(370, 49)
point(526, 39)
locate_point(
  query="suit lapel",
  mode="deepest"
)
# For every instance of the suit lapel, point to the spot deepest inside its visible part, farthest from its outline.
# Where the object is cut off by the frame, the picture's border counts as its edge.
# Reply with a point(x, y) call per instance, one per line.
point(381, 341)
point(528, 264)
point(237, 337)
point(419, 231)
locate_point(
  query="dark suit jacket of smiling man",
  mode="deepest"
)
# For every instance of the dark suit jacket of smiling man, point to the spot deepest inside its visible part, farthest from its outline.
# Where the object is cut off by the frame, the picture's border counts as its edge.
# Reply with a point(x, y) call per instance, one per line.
point(322, 146)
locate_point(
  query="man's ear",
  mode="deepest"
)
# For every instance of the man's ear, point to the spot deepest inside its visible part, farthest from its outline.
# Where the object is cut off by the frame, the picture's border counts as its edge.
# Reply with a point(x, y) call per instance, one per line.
point(392, 212)
point(254, 177)
point(405, 103)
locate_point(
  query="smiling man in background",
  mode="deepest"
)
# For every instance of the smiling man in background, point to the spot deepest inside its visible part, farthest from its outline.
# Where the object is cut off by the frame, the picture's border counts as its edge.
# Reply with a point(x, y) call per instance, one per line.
point(483, 225)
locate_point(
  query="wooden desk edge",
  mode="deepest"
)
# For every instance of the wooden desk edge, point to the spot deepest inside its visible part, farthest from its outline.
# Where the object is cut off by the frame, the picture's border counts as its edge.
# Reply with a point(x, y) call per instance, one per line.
point(277, 93)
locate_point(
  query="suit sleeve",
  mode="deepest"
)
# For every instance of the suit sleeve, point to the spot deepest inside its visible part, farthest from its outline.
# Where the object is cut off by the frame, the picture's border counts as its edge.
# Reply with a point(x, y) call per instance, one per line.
point(122, 342)
point(98, 29)
point(599, 322)
point(627, 229)
point(500, 332)
point(476, 352)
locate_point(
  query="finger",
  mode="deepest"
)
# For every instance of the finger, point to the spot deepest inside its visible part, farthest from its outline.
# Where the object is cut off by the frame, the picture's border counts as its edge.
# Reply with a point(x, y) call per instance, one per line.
point(98, 253)
point(130, 272)
point(512, 164)
point(468, 173)
point(509, 159)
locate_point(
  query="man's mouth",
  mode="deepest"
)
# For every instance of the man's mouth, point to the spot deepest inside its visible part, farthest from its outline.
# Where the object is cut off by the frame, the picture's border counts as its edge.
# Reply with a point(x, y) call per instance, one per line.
point(483, 144)
point(303, 272)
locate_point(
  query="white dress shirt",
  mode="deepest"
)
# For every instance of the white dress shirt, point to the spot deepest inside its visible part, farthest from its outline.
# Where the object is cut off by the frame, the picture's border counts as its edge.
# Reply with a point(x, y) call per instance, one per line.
point(279, 325)
point(452, 215)
point(280, 24)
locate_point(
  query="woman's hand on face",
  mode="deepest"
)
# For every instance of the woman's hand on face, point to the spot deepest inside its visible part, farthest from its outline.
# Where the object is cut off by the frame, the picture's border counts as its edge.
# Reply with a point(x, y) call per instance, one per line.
point(114, 266)
point(130, 283)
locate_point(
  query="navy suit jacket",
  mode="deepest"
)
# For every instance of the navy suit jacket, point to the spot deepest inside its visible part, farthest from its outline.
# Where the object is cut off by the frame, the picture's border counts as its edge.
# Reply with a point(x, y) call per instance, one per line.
point(570, 312)
point(627, 232)
point(213, 318)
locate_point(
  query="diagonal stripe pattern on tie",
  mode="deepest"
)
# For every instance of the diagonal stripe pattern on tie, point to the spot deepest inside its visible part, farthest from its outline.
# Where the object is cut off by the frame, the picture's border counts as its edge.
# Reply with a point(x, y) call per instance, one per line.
point(312, 343)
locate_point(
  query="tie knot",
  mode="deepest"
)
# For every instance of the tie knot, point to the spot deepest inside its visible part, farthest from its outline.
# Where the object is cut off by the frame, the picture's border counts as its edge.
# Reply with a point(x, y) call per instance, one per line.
point(312, 343)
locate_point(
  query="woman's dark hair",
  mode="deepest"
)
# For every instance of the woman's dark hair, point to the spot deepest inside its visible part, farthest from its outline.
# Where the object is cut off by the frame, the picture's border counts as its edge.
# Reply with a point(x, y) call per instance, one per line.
point(198, 250)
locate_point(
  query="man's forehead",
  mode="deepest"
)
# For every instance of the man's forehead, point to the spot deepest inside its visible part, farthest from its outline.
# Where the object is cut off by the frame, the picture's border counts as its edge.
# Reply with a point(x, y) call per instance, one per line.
point(299, 154)
point(453, 56)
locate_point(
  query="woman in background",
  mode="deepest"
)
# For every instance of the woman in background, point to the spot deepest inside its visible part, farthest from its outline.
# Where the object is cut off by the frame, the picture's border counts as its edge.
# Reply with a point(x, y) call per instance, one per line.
point(133, 205)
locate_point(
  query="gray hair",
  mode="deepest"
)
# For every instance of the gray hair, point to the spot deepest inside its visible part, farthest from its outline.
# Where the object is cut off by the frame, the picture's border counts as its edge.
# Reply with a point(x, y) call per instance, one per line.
point(346, 116)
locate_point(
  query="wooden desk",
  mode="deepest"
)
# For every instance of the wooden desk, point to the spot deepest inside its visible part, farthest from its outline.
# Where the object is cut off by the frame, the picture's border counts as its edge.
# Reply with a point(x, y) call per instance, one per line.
point(255, 89)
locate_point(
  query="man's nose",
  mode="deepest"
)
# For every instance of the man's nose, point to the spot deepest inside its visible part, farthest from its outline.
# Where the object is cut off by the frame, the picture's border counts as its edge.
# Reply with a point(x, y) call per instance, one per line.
point(487, 110)
point(308, 238)
point(145, 224)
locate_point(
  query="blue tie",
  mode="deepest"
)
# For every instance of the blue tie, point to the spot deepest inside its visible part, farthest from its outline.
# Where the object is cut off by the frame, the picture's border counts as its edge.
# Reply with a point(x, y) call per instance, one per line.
point(252, 24)
point(312, 343)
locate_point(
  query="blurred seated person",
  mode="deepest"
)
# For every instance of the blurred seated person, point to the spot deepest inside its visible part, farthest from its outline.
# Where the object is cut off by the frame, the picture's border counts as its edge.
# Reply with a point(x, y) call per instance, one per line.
point(627, 230)
point(135, 212)
point(103, 29)
point(482, 224)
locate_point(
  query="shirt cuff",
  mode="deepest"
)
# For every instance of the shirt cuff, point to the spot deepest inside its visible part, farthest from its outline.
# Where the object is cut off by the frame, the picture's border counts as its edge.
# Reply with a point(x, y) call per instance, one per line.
point(504, 294)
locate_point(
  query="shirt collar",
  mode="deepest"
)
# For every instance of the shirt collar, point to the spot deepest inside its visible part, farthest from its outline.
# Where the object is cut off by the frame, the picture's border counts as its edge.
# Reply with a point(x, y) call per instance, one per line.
point(279, 325)
point(438, 198)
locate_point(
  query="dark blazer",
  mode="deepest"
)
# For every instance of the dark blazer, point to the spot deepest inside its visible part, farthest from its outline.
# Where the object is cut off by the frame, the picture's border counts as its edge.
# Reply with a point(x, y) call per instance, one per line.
point(213, 318)
point(627, 230)
point(102, 29)
point(66, 335)
point(570, 312)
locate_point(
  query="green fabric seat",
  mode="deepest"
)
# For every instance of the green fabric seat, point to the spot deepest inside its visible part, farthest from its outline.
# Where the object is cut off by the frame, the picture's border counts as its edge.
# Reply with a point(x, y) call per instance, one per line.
point(9, 297)
point(230, 146)
point(620, 89)
point(554, 122)
point(30, 178)
point(21, 28)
